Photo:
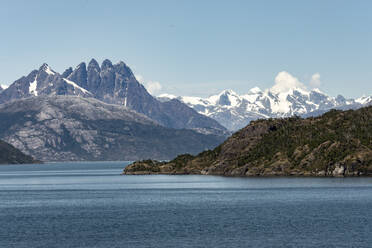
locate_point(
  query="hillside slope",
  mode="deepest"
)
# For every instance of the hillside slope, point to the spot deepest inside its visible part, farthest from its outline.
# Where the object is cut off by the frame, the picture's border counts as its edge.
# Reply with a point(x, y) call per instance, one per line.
point(10, 155)
point(338, 143)
point(71, 128)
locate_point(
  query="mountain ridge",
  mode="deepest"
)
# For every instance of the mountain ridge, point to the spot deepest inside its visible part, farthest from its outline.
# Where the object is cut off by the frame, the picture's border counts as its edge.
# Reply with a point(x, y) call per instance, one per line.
point(113, 84)
point(235, 111)
point(72, 128)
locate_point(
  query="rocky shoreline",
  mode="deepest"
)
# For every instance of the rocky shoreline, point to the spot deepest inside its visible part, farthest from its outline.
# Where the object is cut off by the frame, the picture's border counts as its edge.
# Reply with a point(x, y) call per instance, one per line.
point(153, 167)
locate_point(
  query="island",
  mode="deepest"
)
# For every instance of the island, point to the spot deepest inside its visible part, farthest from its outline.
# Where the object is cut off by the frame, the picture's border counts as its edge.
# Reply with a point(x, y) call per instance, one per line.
point(335, 144)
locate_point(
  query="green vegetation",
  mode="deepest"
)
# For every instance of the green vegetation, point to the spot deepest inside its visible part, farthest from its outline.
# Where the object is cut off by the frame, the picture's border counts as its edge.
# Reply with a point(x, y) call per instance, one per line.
point(338, 143)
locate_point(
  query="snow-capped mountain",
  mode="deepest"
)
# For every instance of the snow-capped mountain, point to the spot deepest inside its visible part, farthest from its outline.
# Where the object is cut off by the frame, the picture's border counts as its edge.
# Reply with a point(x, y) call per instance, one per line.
point(44, 81)
point(235, 111)
point(113, 84)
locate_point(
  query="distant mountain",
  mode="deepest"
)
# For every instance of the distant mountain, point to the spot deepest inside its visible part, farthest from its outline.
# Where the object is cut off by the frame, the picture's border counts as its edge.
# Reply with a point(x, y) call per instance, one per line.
point(114, 84)
point(236, 111)
point(10, 155)
point(1, 89)
point(338, 143)
point(70, 128)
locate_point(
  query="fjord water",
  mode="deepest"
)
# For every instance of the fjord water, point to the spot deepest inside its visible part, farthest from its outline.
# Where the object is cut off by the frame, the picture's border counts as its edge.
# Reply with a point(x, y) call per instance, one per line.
point(92, 205)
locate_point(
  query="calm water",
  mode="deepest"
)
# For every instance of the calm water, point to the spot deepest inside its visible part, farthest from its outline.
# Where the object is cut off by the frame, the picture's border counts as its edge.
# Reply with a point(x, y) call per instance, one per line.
point(92, 205)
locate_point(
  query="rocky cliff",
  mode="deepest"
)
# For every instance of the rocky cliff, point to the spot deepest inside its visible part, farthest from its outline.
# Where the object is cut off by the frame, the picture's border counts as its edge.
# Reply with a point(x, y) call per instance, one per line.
point(338, 143)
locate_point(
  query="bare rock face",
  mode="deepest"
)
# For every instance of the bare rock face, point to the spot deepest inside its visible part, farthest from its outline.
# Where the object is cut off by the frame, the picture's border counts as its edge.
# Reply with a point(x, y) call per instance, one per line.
point(336, 144)
point(71, 128)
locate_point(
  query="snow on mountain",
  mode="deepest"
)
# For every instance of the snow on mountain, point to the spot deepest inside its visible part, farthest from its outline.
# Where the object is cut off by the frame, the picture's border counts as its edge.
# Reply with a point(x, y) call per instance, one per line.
point(33, 86)
point(113, 84)
point(3, 87)
point(77, 87)
point(235, 111)
point(364, 100)
point(47, 69)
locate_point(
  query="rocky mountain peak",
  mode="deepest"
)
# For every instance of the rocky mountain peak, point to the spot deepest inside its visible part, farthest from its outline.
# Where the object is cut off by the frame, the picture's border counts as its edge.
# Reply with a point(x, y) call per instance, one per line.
point(106, 64)
point(340, 99)
point(80, 76)
point(67, 72)
point(123, 69)
point(46, 68)
point(225, 98)
point(93, 65)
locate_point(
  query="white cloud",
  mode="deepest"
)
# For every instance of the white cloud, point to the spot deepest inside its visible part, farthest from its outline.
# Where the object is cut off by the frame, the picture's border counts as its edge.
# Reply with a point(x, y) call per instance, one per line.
point(139, 78)
point(153, 87)
point(4, 86)
point(284, 81)
point(315, 81)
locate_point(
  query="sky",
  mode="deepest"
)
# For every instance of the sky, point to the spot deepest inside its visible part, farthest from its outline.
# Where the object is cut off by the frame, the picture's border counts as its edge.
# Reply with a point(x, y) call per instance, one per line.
point(194, 47)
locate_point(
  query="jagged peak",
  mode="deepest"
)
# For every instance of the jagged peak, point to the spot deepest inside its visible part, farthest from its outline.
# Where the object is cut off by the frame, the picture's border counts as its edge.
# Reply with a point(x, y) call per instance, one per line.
point(121, 63)
point(67, 72)
point(123, 69)
point(106, 64)
point(228, 92)
point(80, 66)
point(93, 63)
point(46, 68)
point(226, 97)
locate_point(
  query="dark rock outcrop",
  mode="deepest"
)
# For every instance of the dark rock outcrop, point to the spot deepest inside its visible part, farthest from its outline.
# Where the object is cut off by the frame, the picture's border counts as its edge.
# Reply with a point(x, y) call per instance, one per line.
point(10, 155)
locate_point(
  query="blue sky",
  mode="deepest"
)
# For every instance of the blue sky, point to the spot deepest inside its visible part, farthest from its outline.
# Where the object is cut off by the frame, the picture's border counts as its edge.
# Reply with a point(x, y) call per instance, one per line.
point(196, 47)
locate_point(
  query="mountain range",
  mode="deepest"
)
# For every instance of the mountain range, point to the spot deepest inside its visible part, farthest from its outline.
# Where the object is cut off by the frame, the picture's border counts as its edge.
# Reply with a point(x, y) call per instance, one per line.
point(99, 112)
point(102, 112)
point(73, 128)
point(113, 84)
point(235, 111)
